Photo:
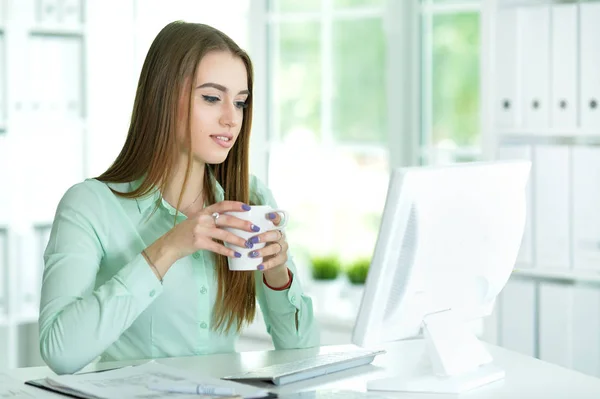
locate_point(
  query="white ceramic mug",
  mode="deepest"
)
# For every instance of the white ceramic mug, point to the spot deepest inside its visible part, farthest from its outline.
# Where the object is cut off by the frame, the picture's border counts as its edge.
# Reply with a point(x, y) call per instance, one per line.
point(258, 216)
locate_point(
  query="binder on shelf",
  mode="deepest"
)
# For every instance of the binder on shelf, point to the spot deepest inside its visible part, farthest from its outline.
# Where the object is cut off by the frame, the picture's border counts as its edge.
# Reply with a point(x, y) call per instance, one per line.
point(67, 170)
point(555, 326)
point(29, 276)
point(72, 78)
point(524, 152)
point(47, 11)
point(589, 15)
point(3, 104)
point(551, 176)
point(6, 178)
point(534, 61)
point(3, 272)
point(56, 84)
point(563, 109)
point(517, 307)
point(38, 57)
point(586, 208)
point(586, 324)
point(31, 270)
point(71, 12)
point(506, 106)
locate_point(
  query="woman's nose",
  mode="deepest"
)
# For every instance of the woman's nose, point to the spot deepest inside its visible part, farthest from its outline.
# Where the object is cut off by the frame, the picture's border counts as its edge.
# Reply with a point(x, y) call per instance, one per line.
point(229, 116)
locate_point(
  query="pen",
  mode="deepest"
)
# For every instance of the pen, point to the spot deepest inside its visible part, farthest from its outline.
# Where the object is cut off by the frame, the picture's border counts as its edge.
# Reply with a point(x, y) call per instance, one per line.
point(199, 389)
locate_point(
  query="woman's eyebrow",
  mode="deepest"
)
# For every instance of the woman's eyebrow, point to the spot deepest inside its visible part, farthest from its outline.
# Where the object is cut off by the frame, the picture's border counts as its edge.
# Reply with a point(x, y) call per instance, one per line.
point(220, 87)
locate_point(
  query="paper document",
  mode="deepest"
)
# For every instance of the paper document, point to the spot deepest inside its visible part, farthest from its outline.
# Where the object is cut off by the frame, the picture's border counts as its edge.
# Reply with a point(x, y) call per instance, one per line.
point(11, 388)
point(141, 382)
point(332, 394)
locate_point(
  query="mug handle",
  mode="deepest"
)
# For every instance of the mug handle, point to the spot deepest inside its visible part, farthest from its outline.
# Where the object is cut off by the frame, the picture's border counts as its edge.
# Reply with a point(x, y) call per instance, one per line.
point(285, 218)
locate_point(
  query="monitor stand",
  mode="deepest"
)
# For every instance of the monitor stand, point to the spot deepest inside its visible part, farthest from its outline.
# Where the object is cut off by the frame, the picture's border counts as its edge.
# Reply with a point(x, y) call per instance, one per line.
point(456, 360)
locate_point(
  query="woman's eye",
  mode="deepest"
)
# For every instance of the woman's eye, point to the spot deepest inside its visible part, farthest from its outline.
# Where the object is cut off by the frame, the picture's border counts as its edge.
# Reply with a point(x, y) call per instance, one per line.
point(241, 104)
point(210, 99)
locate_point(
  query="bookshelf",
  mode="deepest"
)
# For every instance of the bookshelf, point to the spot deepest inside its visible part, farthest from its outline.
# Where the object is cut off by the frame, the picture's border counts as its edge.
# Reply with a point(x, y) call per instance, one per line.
point(42, 136)
point(540, 76)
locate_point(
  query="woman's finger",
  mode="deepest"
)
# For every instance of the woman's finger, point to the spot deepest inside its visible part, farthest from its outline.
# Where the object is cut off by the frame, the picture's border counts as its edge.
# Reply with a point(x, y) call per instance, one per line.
point(226, 206)
point(268, 236)
point(222, 250)
point(271, 249)
point(274, 261)
point(274, 217)
point(224, 236)
point(224, 220)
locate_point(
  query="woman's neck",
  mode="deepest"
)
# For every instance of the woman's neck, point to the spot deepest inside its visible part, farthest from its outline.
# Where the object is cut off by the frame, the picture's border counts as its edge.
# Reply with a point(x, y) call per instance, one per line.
point(193, 197)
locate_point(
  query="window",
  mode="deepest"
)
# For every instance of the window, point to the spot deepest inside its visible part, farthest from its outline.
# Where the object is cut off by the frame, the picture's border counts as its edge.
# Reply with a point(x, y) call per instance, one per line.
point(327, 135)
point(330, 81)
point(450, 128)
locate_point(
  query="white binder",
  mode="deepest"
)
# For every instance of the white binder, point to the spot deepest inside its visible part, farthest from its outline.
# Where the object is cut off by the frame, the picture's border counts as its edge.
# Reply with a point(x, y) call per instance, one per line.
point(3, 104)
point(564, 67)
point(71, 12)
point(506, 106)
point(6, 180)
point(586, 208)
point(56, 84)
point(555, 328)
point(72, 77)
point(48, 11)
point(590, 66)
point(551, 206)
point(3, 273)
point(525, 257)
point(66, 170)
point(586, 324)
point(28, 276)
point(37, 90)
point(534, 29)
point(517, 308)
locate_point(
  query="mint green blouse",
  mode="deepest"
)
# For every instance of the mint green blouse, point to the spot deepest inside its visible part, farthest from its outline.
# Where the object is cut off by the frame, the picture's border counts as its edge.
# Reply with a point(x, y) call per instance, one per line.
point(100, 298)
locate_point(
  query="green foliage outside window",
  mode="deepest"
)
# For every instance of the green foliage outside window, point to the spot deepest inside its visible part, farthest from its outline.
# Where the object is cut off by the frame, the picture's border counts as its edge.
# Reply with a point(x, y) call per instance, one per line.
point(455, 79)
point(359, 96)
point(358, 105)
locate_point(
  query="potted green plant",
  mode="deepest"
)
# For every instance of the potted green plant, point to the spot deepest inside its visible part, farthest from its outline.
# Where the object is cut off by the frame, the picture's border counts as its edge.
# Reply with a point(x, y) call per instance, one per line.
point(356, 272)
point(325, 285)
point(326, 267)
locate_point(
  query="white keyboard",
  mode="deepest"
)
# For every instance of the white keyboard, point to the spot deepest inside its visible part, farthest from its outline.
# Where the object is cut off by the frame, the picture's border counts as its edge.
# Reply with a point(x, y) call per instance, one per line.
point(302, 369)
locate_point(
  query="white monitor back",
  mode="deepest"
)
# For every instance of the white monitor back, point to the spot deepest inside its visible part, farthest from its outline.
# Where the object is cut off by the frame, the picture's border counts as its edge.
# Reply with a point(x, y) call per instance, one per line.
point(449, 239)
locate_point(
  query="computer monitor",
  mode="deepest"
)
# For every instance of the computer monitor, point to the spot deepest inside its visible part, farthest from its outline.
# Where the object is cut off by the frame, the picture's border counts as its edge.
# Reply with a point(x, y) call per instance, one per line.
point(448, 241)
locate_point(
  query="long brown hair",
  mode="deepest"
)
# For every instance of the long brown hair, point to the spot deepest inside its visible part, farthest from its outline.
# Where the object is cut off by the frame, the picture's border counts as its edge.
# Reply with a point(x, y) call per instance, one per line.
point(150, 148)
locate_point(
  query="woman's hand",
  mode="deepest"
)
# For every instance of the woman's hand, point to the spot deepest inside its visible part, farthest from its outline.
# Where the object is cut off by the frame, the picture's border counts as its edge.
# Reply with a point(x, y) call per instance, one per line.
point(274, 253)
point(199, 232)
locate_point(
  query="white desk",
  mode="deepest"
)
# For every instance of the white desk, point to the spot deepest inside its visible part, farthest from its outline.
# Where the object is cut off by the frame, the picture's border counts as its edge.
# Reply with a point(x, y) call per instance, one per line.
point(526, 377)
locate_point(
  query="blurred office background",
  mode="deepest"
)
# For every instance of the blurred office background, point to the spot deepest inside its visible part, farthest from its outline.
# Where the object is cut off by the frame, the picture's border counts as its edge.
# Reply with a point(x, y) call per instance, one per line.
point(345, 91)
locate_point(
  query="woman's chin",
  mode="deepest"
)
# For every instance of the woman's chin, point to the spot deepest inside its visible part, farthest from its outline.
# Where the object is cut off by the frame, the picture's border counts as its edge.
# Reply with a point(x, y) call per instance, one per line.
point(213, 159)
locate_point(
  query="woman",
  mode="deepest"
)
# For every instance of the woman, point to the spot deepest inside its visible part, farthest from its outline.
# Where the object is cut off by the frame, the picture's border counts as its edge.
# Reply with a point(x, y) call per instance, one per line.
point(136, 265)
